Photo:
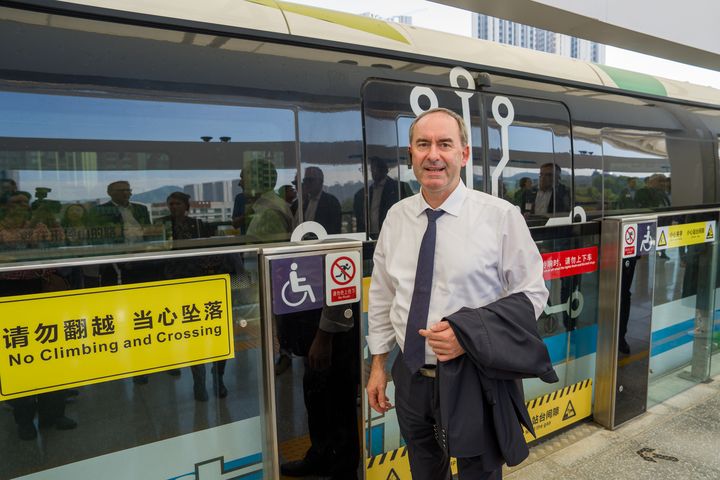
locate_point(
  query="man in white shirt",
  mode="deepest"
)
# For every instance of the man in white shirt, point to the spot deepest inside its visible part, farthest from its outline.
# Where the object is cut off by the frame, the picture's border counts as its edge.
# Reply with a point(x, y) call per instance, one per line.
point(483, 252)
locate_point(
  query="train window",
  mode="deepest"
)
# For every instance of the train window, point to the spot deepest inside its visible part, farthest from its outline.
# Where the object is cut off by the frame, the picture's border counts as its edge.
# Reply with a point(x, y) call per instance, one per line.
point(637, 170)
point(537, 176)
point(389, 108)
point(331, 177)
point(114, 175)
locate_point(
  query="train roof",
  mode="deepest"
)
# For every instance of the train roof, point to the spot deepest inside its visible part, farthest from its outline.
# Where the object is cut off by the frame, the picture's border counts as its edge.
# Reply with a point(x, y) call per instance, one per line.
point(295, 20)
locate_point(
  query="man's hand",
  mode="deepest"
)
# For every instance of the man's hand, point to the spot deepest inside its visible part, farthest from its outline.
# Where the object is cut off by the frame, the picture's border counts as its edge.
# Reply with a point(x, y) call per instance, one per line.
point(377, 383)
point(443, 342)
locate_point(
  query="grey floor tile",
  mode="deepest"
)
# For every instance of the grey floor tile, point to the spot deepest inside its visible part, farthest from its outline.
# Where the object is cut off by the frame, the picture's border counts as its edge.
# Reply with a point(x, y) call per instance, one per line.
point(545, 470)
point(624, 462)
point(687, 438)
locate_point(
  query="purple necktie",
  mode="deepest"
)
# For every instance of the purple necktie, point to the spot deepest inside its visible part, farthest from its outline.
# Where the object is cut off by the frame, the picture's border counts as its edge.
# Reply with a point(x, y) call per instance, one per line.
point(414, 351)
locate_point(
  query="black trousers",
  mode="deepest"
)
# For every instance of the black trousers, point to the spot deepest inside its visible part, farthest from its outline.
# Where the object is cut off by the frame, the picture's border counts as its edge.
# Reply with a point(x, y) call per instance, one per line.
point(331, 401)
point(418, 413)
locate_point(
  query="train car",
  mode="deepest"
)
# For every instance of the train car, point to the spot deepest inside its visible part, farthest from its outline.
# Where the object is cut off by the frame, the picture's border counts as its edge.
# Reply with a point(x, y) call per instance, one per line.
point(153, 141)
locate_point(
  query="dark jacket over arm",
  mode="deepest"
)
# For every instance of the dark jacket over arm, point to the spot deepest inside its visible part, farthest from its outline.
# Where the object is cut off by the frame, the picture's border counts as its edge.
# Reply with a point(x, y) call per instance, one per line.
point(481, 405)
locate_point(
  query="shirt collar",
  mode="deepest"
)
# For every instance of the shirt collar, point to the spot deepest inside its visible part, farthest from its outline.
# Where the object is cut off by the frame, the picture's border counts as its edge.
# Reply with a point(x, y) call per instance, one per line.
point(451, 205)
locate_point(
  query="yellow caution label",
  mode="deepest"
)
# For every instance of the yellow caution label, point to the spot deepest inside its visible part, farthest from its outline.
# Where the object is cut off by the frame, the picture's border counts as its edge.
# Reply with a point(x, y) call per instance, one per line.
point(57, 340)
point(365, 296)
point(559, 409)
point(548, 413)
point(673, 236)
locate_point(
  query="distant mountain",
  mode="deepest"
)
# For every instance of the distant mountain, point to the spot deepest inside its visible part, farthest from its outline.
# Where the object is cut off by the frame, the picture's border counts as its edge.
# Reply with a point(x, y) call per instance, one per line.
point(157, 195)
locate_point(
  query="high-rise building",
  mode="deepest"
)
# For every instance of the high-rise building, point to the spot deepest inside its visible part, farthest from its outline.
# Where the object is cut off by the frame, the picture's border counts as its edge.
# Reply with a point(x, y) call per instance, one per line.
point(406, 19)
point(511, 33)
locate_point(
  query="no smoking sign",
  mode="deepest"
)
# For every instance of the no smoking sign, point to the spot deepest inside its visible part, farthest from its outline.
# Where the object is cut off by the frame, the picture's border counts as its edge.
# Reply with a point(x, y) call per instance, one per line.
point(342, 278)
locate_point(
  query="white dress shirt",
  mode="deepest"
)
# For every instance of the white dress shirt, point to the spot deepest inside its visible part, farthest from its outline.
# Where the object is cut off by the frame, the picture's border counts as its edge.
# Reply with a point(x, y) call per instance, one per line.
point(483, 252)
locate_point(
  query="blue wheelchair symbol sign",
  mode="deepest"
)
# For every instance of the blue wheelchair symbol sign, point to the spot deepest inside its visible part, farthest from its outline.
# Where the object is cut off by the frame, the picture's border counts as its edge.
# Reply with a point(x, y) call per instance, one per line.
point(297, 284)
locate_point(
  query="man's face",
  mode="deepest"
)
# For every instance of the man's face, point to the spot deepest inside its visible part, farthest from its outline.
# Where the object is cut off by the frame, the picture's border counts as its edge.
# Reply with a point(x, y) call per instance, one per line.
point(18, 207)
point(312, 183)
point(437, 153)
point(176, 207)
point(378, 172)
point(547, 177)
point(120, 193)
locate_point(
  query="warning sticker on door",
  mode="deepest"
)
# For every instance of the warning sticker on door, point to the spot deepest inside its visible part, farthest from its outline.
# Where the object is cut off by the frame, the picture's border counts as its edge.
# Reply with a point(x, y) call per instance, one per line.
point(343, 278)
point(673, 236)
point(559, 409)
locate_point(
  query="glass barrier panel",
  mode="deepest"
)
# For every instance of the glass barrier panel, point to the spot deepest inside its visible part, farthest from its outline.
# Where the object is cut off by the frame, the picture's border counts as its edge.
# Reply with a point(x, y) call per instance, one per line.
point(683, 305)
point(106, 369)
point(569, 323)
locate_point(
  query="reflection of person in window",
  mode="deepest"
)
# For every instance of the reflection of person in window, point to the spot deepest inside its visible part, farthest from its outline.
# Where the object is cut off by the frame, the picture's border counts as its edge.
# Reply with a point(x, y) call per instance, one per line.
point(130, 218)
point(18, 229)
point(551, 195)
point(289, 194)
point(183, 227)
point(627, 195)
point(74, 221)
point(383, 194)
point(238, 212)
point(320, 206)
point(524, 188)
point(267, 216)
point(653, 194)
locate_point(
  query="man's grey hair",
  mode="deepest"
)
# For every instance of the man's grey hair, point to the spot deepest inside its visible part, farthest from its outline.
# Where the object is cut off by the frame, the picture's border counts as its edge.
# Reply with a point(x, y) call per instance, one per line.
point(455, 116)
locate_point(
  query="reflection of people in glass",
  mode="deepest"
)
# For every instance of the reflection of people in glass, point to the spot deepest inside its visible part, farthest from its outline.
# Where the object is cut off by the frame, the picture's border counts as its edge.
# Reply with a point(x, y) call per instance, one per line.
point(289, 194)
point(48, 407)
point(330, 387)
point(320, 206)
point(654, 193)
point(74, 222)
point(127, 218)
point(626, 199)
point(551, 195)
point(382, 194)
point(18, 228)
point(267, 216)
point(522, 193)
point(8, 186)
point(238, 212)
point(183, 227)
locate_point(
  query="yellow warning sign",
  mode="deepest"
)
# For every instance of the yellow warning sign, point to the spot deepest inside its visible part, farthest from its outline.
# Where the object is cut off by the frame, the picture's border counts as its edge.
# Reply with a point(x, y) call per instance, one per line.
point(57, 340)
point(557, 410)
point(673, 236)
point(548, 413)
point(365, 290)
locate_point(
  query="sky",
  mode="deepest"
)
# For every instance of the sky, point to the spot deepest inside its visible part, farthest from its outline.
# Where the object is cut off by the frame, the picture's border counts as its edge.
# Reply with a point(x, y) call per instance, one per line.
point(448, 19)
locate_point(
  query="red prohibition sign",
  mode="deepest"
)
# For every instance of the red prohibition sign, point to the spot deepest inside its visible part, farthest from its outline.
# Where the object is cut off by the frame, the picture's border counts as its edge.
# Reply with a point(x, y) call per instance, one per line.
point(630, 235)
point(342, 273)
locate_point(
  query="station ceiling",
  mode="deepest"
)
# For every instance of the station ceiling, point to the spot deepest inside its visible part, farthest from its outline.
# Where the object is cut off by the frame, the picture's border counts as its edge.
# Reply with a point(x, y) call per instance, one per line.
point(685, 32)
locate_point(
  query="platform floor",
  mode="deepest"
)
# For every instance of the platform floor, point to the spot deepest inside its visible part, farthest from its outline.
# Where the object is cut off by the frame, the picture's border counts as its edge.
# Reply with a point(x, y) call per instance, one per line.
point(678, 438)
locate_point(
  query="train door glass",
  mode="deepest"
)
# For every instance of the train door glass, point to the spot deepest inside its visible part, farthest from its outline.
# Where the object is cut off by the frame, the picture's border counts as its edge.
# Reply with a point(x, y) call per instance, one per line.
point(331, 176)
point(530, 156)
point(636, 170)
point(86, 175)
point(388, 111)
point(568, 324)
point(135, 380)
point(387, 115)
point(683, 305)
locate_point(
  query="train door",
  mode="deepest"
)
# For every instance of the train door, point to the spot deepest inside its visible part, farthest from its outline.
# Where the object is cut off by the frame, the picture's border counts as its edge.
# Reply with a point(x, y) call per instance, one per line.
point(521, 151)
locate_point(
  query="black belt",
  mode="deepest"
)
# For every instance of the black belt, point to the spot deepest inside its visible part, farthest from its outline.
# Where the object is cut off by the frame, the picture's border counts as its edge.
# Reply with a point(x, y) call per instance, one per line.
point(427, 371)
